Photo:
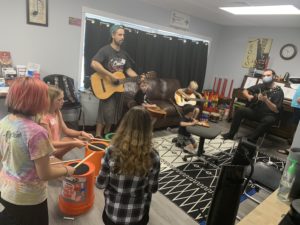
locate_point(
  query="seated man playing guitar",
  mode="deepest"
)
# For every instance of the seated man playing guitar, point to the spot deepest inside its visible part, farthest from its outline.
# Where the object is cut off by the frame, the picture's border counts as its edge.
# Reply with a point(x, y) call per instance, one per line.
point(108, 60)
point(189, 96)
point(265, 102)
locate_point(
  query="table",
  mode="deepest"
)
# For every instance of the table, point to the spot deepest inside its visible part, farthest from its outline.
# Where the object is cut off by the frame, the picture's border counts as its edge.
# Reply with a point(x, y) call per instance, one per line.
point(269, 212)
point(3, 91)
point(203, 133)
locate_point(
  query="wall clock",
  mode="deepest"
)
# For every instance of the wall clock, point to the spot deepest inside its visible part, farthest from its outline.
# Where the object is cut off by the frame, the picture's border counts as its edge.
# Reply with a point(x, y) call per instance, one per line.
point(288, 51)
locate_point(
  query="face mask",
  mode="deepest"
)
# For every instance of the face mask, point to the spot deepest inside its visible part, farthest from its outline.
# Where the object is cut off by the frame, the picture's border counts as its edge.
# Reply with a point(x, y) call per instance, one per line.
point(267, 80)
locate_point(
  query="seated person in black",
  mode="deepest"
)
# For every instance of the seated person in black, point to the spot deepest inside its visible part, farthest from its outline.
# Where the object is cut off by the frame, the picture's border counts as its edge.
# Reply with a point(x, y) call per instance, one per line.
point(141, 98)
point(264, 108)
point(141, 95)
point(184, 138)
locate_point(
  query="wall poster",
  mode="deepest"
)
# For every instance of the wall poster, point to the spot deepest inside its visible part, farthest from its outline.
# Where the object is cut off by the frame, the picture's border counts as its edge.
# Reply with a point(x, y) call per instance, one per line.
point(257, 53)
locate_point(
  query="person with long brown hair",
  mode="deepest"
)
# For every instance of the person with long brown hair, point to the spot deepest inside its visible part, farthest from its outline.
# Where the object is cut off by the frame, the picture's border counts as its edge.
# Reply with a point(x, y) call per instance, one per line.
point(130, 170)
point(24, 155)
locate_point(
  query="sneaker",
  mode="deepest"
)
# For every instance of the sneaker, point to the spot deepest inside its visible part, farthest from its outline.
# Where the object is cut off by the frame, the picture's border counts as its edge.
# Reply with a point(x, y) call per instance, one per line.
point(189, 150)
point(283, 151)
point(227, 136)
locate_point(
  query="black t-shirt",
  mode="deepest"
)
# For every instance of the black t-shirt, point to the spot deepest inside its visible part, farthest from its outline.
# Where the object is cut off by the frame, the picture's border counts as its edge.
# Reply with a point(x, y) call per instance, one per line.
point(113, 60)
point(275, 95)
point(141, 97)
point(182, 130)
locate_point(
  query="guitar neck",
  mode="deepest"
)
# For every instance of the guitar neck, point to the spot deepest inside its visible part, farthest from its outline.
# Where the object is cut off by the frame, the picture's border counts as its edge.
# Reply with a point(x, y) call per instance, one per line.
point(128, 79)
point(197, 99)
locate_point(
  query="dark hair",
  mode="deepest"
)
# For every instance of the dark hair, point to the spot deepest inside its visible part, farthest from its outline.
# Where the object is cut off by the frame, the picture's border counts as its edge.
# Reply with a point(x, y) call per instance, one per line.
point(113, 30)
point(187, 109)
point(273, 71)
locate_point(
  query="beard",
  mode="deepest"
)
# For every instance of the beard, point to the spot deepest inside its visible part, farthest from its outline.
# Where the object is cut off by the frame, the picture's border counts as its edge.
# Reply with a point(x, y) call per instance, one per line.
point(118, 43)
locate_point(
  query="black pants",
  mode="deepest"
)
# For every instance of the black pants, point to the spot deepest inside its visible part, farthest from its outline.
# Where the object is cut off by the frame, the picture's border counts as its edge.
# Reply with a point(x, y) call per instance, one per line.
point(24, 214)
point(265, 121)
point(296, 116)
point(108, 221)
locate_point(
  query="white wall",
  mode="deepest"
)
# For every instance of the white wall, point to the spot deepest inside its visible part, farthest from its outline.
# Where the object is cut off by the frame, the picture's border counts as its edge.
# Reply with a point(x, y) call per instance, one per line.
point(57, 46)
point(232, 47)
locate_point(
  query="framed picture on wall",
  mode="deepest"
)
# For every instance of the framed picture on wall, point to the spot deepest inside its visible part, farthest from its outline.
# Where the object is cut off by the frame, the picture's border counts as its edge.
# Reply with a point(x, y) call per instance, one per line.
point(37, 12)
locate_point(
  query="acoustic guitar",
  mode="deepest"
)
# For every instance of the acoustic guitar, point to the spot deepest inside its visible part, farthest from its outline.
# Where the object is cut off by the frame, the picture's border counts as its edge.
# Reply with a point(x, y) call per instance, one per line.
point(192, 100)
point(267, 92)
point(103, 88)
point(156, 111)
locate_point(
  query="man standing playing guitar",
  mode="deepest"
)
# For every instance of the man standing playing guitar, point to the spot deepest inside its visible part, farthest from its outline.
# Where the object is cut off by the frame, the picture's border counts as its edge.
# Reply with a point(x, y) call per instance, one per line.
point(189, 96)
point(108, 60)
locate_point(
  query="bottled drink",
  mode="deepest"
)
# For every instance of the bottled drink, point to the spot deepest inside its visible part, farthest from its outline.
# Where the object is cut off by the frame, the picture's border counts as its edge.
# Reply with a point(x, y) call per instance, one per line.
point(286, 181)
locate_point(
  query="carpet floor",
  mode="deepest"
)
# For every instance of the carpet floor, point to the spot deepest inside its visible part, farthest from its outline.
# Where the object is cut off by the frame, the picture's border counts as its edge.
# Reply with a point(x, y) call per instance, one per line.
point(188, 184)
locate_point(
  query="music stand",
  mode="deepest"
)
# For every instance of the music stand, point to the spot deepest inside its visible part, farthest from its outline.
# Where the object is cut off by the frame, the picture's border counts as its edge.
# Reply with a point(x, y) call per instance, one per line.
point(203, 133)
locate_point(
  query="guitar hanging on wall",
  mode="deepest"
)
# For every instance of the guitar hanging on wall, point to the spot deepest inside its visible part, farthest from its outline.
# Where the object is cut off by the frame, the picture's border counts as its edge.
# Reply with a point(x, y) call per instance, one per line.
point(103, 88)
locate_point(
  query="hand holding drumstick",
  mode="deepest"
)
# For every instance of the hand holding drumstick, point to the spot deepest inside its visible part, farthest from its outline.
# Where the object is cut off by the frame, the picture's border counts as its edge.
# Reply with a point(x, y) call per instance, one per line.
point(69, 170)
point(86, 135)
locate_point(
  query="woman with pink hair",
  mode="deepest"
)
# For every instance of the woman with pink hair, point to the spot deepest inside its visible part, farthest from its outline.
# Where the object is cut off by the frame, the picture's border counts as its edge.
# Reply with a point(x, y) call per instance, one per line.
point(24, 154)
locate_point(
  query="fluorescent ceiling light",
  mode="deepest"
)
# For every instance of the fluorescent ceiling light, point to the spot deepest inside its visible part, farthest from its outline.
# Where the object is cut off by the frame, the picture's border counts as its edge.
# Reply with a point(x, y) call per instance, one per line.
point(263, 10)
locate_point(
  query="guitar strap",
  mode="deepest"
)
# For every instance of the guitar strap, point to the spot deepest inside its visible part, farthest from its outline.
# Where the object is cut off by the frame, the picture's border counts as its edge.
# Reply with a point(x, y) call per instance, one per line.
point(67, 90)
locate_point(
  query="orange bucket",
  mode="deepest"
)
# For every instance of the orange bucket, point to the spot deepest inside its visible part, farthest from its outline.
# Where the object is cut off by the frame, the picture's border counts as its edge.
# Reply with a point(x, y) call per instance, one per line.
point(77, 195)
point(97, 157)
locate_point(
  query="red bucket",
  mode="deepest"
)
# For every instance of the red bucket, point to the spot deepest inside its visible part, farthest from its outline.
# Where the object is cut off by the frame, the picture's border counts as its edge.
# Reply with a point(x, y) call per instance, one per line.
point(77, 195)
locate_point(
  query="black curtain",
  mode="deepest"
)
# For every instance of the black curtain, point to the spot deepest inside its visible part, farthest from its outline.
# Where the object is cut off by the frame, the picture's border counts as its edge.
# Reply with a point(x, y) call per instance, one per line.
point(170, 57)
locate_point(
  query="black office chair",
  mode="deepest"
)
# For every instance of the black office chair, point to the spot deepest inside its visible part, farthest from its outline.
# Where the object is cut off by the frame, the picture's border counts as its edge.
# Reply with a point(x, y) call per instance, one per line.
point(262, 175)
point(71, 101)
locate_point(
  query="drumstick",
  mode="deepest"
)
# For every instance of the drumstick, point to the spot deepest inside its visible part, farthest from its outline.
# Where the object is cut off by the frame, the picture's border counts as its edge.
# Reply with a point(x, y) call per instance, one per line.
point(99, 139)
point(86, 158)
point(94, 146)
point(60, 162)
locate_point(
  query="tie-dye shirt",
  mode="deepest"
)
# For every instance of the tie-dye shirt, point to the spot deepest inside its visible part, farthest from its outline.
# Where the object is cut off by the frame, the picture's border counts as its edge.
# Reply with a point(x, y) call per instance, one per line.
point(21, 142)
